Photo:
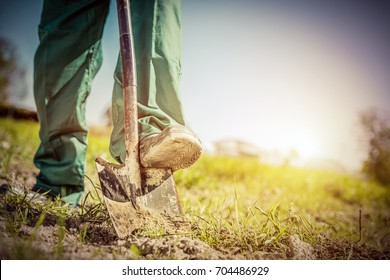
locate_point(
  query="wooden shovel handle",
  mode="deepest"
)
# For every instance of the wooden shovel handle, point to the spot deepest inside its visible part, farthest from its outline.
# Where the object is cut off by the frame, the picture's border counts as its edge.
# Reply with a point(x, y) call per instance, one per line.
point(129, 82)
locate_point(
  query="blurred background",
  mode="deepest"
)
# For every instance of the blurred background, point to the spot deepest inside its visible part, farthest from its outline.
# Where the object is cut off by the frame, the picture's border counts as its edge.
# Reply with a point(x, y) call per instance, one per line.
point(291, 82)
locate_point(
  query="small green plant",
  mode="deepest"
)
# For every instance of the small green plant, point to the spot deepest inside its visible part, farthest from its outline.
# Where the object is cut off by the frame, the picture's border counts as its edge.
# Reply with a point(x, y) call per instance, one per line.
point(61, 236)
point(82, 234)
point(39, 223)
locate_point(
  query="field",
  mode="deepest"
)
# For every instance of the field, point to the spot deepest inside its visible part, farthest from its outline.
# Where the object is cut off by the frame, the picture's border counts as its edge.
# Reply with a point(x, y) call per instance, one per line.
point(236, 208)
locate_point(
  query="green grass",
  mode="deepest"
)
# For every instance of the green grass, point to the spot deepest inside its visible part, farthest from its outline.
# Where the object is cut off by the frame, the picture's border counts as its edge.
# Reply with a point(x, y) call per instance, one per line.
point(238, 204)
point(18, 142)
point(254, 204)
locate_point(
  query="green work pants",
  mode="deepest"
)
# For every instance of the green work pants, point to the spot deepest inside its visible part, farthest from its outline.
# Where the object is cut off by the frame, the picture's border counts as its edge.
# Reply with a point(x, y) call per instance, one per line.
point(66, 61)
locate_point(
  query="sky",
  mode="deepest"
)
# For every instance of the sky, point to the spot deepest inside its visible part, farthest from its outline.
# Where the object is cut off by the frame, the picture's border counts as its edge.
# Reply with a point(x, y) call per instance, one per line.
point(279, 74)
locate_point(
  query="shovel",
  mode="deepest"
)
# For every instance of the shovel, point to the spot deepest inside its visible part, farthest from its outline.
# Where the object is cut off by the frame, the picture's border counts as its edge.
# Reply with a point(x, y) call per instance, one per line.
point(131, 192)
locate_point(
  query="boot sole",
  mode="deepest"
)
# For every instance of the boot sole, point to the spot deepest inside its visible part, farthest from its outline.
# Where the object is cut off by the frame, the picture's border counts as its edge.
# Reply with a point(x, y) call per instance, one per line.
point(174, 150)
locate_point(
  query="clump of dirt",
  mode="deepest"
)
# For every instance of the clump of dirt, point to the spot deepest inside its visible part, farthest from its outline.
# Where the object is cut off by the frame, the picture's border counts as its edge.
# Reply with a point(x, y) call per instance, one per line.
point(172, 247)
point(330, 249)
point(299, 250)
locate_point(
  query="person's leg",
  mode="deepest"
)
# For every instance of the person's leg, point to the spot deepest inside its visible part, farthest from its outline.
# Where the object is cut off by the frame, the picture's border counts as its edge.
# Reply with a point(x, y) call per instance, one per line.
point(157, 42)
point(67, 59)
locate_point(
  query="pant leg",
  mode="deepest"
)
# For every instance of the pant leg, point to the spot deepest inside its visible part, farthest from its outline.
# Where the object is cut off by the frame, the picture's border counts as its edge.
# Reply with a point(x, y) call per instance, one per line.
point(67, 59)
point(157, 42)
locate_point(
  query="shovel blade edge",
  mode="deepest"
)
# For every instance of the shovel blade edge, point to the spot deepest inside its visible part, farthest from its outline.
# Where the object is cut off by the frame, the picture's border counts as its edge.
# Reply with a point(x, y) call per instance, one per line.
point(129, 206)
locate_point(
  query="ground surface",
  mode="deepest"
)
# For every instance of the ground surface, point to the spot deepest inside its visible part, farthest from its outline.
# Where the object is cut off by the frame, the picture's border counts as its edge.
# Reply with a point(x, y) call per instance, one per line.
point(235, 209)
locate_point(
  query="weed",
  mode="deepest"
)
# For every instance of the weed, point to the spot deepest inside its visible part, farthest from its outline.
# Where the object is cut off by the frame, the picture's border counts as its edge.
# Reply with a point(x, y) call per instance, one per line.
point(61, 236)
point(82, 234)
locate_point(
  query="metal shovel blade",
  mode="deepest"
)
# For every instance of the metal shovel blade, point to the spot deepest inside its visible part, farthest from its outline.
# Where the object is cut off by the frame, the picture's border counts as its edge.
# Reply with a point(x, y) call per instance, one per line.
point(128, 209)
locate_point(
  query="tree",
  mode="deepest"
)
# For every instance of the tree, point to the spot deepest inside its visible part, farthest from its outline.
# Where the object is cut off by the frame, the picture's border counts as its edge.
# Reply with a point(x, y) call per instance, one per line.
point(10, 71)
point(377, 133)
